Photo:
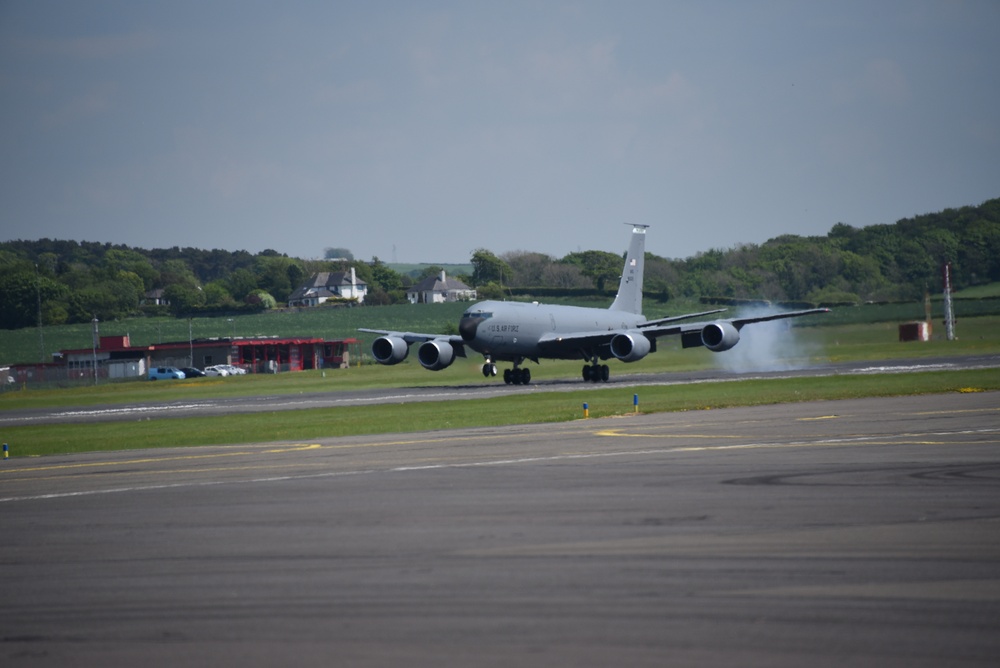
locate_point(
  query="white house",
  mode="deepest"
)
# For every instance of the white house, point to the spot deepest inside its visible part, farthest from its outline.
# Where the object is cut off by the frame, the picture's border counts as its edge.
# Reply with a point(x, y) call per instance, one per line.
point(438, 289)
point(155, 298)
point(325, 285)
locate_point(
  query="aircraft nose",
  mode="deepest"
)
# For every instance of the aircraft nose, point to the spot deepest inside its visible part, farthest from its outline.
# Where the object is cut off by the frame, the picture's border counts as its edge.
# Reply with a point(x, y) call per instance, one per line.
point(467, 328)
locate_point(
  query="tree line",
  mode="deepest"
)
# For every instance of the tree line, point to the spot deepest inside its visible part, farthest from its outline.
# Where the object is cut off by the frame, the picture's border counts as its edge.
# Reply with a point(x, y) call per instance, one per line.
point(70, 281)
point(879, 263)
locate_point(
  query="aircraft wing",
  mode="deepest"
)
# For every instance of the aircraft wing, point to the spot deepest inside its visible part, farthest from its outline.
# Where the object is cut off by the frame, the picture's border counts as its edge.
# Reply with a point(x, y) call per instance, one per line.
point(559, 344)
point(415, 337)
point(553, 343)
point(675, 318)
point(738, 323)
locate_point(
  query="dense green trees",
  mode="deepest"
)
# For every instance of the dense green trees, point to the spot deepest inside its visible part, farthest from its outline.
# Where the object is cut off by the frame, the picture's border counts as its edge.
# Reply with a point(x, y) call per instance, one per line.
point(878, 263)
point(488, 268)
point(601, 267)
point(69, 281)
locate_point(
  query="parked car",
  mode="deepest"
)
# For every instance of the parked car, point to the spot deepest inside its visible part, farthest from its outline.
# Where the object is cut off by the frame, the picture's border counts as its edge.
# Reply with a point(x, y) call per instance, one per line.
point(165, 372)
point(191, 372)
point(216, 370)
point(235, 370)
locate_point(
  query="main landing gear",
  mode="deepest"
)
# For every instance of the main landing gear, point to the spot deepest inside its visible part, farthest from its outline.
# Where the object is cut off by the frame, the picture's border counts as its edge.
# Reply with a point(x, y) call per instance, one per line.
point(598, 373)
point(517, 376)
point(513, 376)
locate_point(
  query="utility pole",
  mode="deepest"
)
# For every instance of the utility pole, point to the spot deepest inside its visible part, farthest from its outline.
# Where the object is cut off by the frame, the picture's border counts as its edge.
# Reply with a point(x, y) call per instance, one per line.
point(95, 344)
point(41, 337)
point(949, 309)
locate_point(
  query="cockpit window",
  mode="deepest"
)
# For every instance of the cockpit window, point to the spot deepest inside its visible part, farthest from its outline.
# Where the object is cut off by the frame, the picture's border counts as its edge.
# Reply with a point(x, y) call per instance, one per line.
point(477, 314)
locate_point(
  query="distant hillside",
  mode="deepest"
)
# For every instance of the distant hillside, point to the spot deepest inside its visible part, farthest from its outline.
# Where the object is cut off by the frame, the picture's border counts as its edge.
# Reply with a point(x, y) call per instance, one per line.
point(65, 282)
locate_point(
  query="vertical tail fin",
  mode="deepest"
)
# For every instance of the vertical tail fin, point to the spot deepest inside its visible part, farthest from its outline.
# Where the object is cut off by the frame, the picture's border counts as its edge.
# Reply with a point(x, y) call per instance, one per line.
point(629, 297)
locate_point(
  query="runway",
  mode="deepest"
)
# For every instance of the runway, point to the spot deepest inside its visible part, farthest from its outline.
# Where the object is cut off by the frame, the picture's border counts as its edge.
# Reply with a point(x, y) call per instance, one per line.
point(861, 532)
point(461, 391)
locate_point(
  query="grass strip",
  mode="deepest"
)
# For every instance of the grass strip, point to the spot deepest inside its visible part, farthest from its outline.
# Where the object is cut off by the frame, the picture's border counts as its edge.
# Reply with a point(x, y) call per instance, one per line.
point(311, 424)
point(798, 346)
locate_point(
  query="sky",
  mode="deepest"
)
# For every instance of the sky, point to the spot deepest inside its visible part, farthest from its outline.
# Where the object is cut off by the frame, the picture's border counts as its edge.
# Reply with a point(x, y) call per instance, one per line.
point(420, 131)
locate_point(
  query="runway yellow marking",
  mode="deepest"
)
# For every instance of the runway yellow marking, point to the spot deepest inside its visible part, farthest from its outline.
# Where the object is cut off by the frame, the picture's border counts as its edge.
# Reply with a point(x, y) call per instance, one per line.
point(297, 448)
point(958, 412)
point(616, 433)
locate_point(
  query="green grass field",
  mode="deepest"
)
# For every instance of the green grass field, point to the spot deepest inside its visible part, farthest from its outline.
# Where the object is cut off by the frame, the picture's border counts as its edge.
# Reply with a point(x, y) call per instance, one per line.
point(311, 424)
point(799, 346)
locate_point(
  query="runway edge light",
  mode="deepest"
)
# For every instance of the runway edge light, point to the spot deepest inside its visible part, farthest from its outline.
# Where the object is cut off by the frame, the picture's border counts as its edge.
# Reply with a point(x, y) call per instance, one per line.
point(635, 402)
point(586, 411)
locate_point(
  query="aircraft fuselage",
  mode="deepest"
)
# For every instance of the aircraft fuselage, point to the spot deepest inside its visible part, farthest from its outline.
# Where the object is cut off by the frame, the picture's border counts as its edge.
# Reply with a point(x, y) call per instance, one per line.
point(508, 331)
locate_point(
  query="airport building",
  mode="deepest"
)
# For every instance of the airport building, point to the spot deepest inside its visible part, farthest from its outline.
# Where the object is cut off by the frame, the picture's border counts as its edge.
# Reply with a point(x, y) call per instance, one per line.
point(115, 358)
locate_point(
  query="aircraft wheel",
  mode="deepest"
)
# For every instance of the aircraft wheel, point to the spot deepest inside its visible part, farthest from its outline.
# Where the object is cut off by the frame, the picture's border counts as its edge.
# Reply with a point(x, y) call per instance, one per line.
point(586, 372)
point(525, 376)
point(605, 373)
point(507, 376)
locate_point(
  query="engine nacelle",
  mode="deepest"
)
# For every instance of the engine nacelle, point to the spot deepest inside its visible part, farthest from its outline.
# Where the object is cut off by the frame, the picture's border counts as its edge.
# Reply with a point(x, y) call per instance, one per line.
point(389, 350)
point(630, 346)
point(435, 355)
point(719, 336)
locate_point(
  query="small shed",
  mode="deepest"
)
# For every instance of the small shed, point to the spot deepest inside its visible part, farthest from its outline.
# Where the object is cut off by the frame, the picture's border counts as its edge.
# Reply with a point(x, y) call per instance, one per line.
point(919, 330)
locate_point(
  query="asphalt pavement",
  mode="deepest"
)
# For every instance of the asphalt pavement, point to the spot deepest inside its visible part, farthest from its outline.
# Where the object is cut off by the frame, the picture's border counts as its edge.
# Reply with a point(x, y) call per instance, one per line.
point(860, 532)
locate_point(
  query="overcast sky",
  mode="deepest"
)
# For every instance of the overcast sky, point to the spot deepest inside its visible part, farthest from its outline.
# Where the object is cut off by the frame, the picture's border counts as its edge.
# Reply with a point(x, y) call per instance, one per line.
point(418, 131)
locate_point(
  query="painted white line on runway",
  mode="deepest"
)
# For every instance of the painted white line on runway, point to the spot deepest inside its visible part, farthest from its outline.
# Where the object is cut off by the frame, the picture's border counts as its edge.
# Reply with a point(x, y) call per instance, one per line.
point(860, 440)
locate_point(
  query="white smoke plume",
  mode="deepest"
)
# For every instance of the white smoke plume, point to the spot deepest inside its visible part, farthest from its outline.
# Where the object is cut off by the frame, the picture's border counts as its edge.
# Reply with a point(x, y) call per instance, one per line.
point(765, 346)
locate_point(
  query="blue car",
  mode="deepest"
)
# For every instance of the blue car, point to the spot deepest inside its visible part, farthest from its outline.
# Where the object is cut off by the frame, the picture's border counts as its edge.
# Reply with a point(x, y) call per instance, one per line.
point(165, 372)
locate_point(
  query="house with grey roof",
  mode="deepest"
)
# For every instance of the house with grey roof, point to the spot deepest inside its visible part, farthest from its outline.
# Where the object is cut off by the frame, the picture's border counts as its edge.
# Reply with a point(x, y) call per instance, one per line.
point(327, 285)
point(439, 289)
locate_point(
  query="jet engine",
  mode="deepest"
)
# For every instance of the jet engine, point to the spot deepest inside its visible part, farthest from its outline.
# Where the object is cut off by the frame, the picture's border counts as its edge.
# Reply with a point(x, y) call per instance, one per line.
point(719, 336)
point(435, 355)
point(389, 350)
point(630, 346)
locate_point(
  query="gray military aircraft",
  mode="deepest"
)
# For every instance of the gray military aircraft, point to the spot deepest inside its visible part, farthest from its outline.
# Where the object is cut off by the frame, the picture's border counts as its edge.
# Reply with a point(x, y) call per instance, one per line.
point(519, 331)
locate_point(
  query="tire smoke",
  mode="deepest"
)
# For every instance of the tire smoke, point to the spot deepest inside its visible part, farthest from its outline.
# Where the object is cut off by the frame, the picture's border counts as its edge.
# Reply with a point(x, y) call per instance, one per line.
point(765, 346)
